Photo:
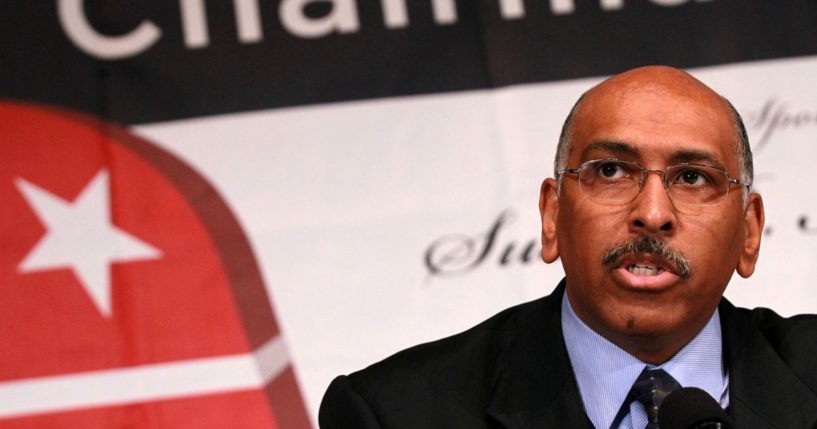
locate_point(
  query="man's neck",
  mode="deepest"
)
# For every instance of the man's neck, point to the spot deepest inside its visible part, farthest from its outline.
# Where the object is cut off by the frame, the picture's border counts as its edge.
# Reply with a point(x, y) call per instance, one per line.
point(605, 371)
point(653, 348)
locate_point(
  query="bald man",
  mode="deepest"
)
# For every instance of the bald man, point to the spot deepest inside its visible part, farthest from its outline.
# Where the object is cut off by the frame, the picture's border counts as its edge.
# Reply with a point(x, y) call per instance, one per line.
point(651, 212)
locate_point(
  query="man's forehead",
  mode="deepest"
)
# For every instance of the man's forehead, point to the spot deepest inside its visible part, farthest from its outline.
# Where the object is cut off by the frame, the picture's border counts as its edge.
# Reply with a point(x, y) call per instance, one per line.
point(697, 123)
point(676, 155)
point(651, 84)
point(656, 78)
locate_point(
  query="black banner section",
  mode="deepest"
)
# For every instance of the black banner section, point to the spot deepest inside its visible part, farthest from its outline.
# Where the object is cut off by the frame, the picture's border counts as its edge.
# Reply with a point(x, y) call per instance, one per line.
point(137, 61)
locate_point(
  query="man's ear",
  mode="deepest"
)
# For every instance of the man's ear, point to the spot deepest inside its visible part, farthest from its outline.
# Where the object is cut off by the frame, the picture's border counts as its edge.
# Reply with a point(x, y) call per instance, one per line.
point(549, 212)
point(754, 218)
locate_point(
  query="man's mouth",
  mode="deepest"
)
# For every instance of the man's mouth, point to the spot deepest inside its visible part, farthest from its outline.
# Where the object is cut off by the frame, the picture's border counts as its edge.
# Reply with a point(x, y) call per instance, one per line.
point(645, 270)
point(646, 273)
point(646, 264)
point(646, 256)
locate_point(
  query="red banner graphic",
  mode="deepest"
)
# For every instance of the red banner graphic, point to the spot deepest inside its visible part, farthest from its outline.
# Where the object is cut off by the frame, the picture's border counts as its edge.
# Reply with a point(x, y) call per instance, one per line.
point(131, 294)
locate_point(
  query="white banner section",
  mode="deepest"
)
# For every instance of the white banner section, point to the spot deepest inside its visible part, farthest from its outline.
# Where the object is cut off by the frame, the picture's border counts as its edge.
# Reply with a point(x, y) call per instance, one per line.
point(381, 224)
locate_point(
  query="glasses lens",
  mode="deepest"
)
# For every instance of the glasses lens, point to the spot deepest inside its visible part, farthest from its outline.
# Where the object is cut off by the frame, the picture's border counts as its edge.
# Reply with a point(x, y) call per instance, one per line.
point(697, 185)
point(610, 180)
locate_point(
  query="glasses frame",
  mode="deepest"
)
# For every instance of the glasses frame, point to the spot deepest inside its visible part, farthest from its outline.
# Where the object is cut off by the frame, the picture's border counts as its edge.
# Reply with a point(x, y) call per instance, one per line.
point(645, 171)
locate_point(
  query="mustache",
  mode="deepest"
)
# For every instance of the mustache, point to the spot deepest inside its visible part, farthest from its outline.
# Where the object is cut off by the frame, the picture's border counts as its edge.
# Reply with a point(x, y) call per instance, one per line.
point(647, 244)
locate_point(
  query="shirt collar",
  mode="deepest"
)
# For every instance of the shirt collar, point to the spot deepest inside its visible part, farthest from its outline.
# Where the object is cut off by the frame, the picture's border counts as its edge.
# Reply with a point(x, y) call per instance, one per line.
point(605, 372)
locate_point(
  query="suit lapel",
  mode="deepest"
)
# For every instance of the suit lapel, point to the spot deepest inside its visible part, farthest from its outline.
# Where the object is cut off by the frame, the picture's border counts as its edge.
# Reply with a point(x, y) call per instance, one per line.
point(763, 392)
point(536, 387)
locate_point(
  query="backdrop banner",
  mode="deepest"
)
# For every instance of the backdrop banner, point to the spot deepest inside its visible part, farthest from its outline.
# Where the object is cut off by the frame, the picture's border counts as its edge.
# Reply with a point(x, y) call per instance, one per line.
point(213, 208)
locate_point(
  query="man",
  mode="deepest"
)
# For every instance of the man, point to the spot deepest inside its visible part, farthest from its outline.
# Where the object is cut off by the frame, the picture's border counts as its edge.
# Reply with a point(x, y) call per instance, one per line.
point(651, 214)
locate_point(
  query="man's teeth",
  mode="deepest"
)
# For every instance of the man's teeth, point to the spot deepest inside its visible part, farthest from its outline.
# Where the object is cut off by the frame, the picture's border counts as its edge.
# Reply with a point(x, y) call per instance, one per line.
point(644, 270)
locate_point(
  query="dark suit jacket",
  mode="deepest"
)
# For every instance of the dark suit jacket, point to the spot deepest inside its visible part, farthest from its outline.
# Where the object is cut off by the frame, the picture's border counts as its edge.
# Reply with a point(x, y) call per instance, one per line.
point(512, 371)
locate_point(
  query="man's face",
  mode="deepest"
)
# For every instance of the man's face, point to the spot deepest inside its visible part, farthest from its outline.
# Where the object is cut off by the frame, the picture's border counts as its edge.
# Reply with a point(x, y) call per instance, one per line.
point(641, 296)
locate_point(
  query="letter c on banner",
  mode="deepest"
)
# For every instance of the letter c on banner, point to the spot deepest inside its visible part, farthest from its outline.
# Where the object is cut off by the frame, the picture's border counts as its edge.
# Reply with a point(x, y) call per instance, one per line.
point(79, 30)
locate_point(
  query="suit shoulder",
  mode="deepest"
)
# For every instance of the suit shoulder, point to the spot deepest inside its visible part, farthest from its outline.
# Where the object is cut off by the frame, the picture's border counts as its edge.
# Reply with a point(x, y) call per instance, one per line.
point(484, 336)
point(798, 329)
point(464, 361)
point(794, 340)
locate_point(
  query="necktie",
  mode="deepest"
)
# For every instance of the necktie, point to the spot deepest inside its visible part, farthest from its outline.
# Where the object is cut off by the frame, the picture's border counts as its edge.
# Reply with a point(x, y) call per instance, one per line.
point(650, 388)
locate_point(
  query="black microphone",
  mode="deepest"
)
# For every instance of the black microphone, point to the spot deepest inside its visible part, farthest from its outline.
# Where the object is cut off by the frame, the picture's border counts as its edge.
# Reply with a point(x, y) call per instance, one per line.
point(692, 408)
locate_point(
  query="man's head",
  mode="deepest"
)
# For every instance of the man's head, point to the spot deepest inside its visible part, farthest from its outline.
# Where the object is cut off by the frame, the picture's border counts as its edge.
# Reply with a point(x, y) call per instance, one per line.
point(648, 270)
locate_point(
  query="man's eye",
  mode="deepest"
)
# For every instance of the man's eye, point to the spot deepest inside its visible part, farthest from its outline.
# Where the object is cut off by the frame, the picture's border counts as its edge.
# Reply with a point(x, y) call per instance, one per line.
point(692, 178)
point(611, 170)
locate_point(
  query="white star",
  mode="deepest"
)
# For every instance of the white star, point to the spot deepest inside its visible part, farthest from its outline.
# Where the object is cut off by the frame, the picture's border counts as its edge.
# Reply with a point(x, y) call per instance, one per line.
point(80, 236)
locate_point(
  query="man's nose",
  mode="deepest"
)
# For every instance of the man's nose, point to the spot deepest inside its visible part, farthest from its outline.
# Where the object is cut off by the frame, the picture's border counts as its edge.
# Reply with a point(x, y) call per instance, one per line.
point(652, 210)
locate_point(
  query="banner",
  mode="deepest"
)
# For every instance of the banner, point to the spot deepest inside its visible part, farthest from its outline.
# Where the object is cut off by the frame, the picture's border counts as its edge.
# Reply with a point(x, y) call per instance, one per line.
point(213, 208)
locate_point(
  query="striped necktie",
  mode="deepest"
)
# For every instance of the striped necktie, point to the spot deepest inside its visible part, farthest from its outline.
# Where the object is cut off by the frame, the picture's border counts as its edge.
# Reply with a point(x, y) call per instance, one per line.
point(650, 388)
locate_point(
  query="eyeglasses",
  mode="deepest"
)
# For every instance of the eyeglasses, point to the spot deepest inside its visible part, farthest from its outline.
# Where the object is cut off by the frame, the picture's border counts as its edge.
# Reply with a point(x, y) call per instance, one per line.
point(613, 181)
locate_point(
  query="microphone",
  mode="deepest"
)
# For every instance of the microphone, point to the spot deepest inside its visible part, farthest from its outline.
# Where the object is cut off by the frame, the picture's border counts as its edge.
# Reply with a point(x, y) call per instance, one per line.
point(692, 408)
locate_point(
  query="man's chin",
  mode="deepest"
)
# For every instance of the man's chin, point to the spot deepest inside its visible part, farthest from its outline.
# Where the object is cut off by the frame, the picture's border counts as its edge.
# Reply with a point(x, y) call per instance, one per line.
point(649, 322)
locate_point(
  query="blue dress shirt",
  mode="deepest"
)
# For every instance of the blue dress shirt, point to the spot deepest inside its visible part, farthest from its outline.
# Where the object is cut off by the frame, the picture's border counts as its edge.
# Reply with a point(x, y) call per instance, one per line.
point(605, 372)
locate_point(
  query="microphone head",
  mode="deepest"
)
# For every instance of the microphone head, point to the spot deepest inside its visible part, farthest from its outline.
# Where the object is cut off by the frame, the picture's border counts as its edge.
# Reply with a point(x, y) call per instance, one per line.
point(689, 408)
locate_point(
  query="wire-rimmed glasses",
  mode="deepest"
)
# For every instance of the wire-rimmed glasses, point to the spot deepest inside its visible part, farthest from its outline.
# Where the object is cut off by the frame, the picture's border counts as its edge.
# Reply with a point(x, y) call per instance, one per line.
point(615, 181)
